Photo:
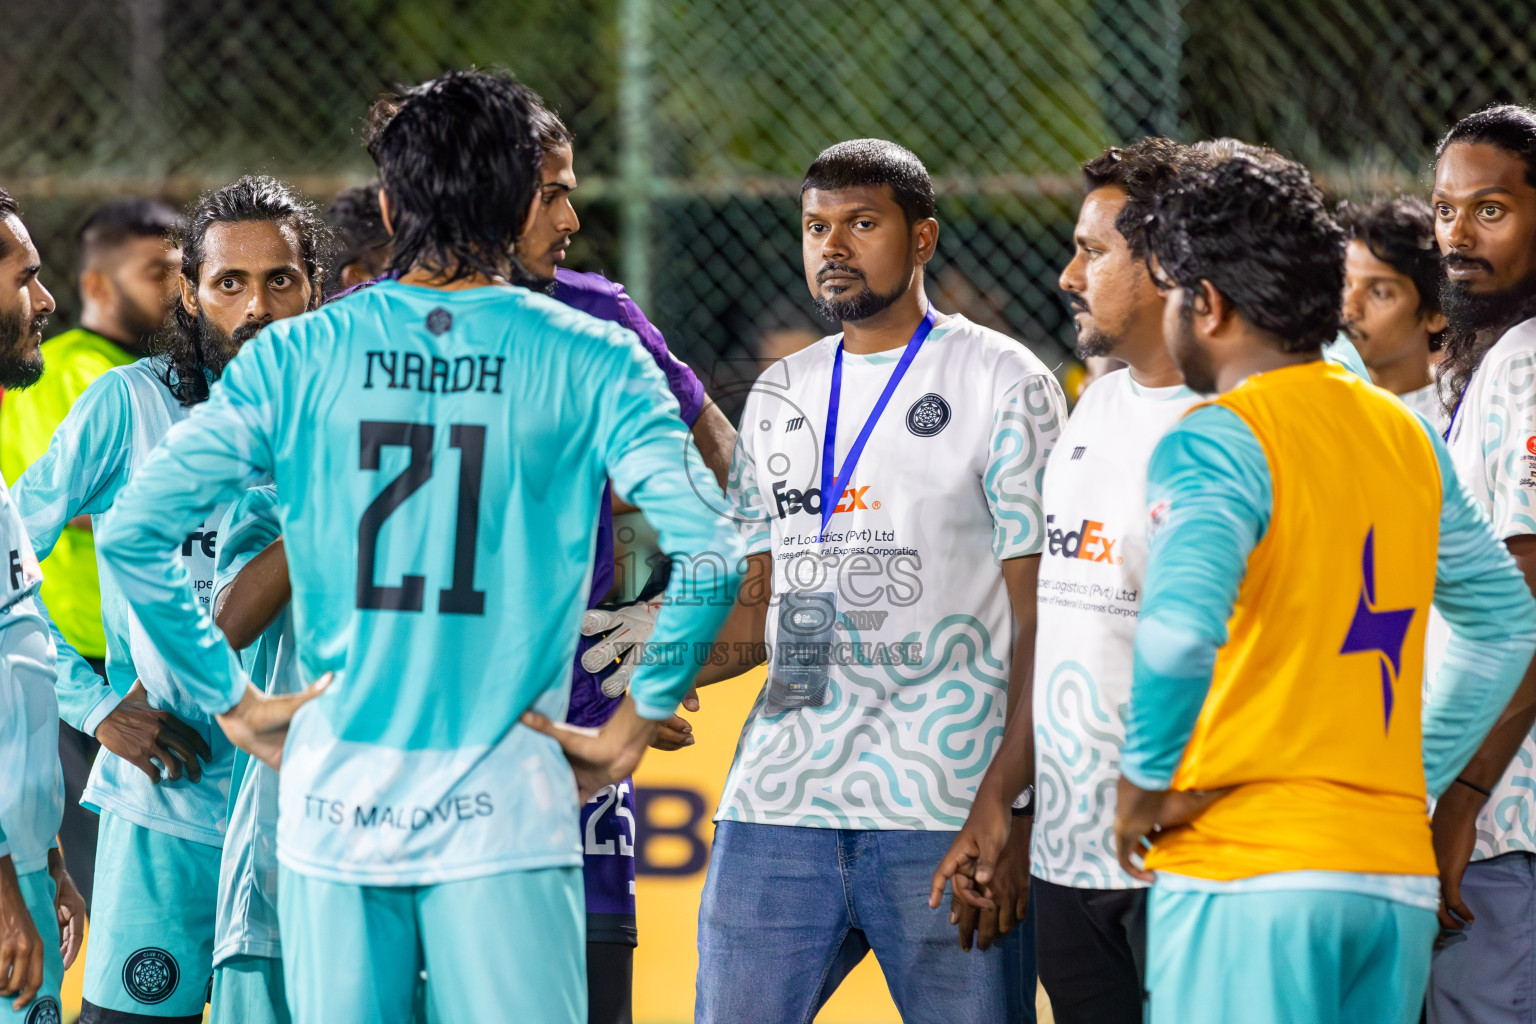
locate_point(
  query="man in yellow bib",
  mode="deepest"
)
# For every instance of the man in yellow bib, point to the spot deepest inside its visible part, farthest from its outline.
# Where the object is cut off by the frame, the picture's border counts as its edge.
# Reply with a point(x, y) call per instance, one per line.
point(1303, 524)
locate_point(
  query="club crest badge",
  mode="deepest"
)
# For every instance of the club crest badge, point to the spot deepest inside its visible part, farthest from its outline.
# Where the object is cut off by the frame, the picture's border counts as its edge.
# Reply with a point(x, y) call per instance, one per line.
point(150, 975)
point(45, 1011)
point(928, 415)
point(439, 320)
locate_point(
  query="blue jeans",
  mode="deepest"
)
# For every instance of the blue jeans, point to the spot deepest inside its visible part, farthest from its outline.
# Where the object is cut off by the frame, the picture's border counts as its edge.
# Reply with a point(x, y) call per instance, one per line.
point(789, 911)
point(1486, 974)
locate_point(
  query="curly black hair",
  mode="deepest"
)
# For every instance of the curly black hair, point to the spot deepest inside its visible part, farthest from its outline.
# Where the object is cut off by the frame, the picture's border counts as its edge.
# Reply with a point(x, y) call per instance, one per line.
point(1401, 233)
point(1260, 233)
point(1513, 129)
point(1140, 170)
point(189, 369)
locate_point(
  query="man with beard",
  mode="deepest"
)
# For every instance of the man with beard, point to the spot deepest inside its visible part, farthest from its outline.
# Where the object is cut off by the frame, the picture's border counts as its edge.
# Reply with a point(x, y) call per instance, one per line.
point(1484, 203)
point(888, 482)
point(1067, 745)
point(1277, 710)
point(253, 254)
point(128, 260)
point(1392, 280)
point(42, 917)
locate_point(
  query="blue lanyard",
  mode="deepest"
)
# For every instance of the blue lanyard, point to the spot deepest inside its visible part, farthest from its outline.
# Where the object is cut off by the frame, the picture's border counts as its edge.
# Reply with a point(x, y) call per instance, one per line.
point(829, 498)
point(1452, 424)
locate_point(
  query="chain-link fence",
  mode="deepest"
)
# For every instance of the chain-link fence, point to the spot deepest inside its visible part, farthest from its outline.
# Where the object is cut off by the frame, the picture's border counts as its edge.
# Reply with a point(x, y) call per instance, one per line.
point(695, 118)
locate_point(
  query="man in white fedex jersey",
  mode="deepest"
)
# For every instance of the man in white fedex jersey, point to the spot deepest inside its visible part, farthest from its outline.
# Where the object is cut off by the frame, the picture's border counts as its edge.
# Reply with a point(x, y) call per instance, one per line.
point(888, 480)
point(1090, 914)
point(37, 896)
point(438, 444)
point(1484, 203)
point(253, 254)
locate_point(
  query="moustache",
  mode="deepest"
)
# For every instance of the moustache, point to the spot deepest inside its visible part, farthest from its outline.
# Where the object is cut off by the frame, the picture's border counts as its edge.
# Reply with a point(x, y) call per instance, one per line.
point(248, 330)
point(1457, 259)
point(38, 323)
point(837, 268)
point(1078, 305)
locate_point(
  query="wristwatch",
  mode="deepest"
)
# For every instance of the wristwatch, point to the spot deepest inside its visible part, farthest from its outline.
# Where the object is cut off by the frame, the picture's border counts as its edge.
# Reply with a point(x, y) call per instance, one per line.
point(1024, 805)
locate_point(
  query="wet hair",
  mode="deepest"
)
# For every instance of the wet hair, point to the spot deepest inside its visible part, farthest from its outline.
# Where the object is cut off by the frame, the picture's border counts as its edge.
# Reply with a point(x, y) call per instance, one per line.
point(1260, 233)
point(1508, 127)
point(8, 208)
point(1141, 171)
point(459, 159)
point(1401, 233)
point(862, 162)
point(254, 198)
point(112, 226)
point(357, 223)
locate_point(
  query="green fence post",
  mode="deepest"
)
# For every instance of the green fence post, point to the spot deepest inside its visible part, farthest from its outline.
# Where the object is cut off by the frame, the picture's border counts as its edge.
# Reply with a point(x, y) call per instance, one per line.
point(635, 171)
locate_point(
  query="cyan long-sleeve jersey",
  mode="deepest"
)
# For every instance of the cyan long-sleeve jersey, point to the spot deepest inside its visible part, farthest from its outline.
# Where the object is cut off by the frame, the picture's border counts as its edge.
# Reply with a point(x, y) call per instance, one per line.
point(101, 445)
point(31, 785)
point(439, 458)
point(1211, 482)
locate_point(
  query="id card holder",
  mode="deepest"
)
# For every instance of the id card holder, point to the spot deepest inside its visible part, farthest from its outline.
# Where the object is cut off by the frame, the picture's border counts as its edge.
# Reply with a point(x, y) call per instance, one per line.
point(800, 672)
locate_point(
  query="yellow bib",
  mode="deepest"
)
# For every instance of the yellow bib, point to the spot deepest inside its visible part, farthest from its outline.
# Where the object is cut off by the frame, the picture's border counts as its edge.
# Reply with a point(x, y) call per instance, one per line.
point(1313, 711)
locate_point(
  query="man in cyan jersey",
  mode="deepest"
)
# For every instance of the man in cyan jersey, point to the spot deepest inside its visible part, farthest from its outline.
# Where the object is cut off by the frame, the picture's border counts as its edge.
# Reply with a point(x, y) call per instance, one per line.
point(1090, 915)
point(248, 908)
point(1303, 523)
point(36, 893)
point(1340, 349)
point(252, 580)
point(253, 254)
point(1392, 312)
point(438, 447)
point(128, 261)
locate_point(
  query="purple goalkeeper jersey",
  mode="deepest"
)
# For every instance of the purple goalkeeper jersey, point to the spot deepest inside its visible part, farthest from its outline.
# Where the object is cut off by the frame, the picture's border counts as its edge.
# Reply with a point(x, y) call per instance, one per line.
point(608, 819)
point(607, 300)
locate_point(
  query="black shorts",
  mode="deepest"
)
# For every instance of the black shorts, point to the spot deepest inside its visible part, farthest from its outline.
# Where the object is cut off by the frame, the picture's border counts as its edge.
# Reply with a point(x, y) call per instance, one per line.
point(610, 982)
point(1092, 952)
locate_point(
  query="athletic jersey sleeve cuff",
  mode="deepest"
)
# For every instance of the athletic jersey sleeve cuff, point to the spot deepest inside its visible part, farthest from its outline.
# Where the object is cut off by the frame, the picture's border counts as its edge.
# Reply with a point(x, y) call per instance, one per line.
point(104, 707)
point(1152, 782)
point(654, 712)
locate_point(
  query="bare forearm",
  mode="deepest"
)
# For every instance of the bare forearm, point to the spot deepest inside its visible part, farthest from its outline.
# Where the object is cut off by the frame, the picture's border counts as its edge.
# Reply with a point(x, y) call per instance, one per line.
point(741, 640)
point(1519, 716)
point(1013, 767)
point(256, 598)
point(716, 440)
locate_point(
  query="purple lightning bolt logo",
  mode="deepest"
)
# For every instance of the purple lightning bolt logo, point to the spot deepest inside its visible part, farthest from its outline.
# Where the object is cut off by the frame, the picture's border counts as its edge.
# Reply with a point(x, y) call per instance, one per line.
point(1380, 631)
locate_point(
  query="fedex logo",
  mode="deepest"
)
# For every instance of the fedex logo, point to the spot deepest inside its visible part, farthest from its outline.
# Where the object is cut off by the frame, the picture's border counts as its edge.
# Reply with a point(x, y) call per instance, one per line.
point(1087, 542)
point(789, 501)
